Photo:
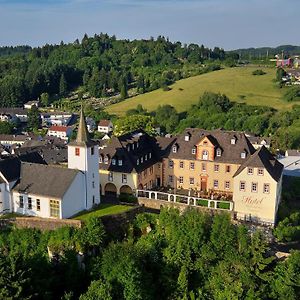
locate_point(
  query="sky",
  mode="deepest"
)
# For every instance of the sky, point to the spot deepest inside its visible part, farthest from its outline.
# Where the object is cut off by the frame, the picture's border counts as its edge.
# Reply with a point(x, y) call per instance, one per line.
point(229, 24)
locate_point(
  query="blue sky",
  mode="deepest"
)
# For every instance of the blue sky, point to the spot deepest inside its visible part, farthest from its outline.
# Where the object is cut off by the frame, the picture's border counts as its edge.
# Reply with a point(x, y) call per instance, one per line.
point(229, 24)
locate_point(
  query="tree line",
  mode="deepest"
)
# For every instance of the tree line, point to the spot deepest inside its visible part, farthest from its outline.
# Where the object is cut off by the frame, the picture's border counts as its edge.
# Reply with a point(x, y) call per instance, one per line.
point(102, 65)
point(167, 256)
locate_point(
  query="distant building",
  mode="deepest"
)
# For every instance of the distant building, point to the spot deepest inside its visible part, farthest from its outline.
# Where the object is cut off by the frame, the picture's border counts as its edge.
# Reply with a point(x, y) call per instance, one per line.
point(20, 113)
point(258, 142)
point(56, 118)
point(8, 140)
point(105, 126)
point(8, 118)
point(62, 132)
point(291, 163)
point(91, 124)
point(29, 104)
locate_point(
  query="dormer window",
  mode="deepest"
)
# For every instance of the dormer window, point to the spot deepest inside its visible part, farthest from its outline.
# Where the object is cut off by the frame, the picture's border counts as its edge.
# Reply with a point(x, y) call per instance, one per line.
point(120, 162)
point(128, 148)
point(205, 155)
point(146, 157)
point(194, 150)
point(233, 141)
point(137, 162)
point(150, 155)
point(243, 155)
point(174, 149)
point(100, 159)
point(106, 160)
point(113, 161)
point(133, 146)
point(219, 152)
point(142, 160)
point(187, 137)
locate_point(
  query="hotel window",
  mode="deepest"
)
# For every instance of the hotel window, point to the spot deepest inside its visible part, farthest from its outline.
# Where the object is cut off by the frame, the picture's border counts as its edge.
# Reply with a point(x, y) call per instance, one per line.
point(38, 204)
point(124, 178)
point(181, 179)
point(92, 151)
point(120, 162)
point(194, 150)
point(192, 180)
point(227, 185)
point(216, 168)
point(242, 186)
point(227, 169)
point(181, 165)
point(266, 188)
point(77, 151)
point(243, 155)
point(21, 200)
point(171, 164)
point(170, 179)
point(219, 152)
point(29, 203)
point(151, 170)
point(205, 154)
point(113, 161)
point(93, 184)
point(110, 176)
point(54, 209)
point(203, 167)
point(100, 159)
point(192, 166)
point(254, 187)
point(174, 149)
point(216, 184)
point(260, 172)
point(250, 171)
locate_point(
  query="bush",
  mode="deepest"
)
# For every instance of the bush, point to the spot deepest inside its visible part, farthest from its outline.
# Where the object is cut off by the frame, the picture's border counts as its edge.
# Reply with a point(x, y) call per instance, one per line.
point(288, 230)
point(127, 198)
point(258, 72)
point(293, 94)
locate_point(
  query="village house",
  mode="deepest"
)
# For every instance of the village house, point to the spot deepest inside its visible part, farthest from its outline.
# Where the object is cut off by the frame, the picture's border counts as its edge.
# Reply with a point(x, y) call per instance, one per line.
point(62, 132)
point(9, 140)
point(30, 104)
point(105, 126)
point(33, 188)
point(56, 118)
point(19, 113)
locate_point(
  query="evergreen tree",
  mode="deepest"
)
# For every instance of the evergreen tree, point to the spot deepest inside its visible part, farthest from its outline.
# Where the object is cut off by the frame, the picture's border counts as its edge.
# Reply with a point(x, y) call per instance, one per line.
point(63, 86)
point(33, 118)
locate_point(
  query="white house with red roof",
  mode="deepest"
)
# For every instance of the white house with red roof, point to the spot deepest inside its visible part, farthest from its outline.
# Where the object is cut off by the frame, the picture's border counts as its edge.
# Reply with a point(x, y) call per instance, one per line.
point(105, 126)
point(62, 132)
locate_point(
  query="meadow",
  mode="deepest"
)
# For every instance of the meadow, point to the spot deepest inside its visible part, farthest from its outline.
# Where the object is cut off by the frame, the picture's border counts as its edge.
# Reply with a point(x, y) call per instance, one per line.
point(237, 83)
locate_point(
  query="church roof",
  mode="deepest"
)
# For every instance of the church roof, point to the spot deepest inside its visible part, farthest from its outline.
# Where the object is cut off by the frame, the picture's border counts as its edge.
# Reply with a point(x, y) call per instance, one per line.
point(44, 180)
point(83, 138)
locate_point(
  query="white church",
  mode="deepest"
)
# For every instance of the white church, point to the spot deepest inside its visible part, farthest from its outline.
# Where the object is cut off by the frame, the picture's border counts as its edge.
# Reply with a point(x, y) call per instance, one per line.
point(32, 188)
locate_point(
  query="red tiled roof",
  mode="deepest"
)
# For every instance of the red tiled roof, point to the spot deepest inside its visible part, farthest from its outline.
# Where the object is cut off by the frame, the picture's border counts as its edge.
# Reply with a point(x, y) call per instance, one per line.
point(104, 123)
point(59, 128)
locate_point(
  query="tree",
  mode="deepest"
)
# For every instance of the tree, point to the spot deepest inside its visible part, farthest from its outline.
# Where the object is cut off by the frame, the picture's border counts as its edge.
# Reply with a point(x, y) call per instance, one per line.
point(45, 99)
point(33, 118)
point(63, 86)
point(134, 122)
point(6, 128)
point(167, 117)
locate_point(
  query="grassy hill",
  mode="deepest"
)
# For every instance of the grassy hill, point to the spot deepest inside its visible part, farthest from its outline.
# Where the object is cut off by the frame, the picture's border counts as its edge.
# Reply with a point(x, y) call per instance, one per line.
point(237, 83)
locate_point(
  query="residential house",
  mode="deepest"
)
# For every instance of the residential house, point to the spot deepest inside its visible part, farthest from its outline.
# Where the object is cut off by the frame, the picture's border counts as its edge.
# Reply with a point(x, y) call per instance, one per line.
point(105, 126)
point(62, 132)
point(56, 118)
point(30, 104)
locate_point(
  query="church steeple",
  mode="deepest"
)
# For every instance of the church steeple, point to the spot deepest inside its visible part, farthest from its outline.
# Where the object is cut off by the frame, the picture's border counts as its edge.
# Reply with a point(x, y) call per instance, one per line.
point(83, 138)
point(82, 134)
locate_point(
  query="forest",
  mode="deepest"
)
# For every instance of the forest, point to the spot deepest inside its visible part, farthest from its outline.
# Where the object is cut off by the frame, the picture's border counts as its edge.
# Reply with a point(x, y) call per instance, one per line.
point(100, 65)
point(166, 256)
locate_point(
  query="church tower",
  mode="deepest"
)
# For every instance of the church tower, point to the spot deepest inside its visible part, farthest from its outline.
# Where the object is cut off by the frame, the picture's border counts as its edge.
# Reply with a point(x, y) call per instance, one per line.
point(83, 154)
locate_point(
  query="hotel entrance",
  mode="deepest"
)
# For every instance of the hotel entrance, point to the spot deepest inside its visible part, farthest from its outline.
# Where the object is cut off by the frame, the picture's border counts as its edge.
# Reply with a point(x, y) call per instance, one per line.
point(203, 183)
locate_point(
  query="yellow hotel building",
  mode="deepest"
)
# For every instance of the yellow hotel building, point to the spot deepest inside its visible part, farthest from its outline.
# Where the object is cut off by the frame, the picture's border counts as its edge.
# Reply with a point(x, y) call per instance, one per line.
point(213, 164)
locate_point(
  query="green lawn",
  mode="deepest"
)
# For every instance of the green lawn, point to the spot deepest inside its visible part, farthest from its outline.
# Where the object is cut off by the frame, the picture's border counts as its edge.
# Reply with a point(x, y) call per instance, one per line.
point(102, 210)
point(237, 83)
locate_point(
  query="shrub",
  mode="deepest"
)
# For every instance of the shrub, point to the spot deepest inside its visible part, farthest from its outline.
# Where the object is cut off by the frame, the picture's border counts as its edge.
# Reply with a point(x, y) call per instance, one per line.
point(288, 230)
point(258, 72)
point(127, 198)
point(293, 94)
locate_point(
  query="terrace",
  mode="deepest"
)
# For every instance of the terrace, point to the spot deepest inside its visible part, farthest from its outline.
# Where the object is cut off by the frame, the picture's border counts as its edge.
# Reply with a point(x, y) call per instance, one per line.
point(210, 199)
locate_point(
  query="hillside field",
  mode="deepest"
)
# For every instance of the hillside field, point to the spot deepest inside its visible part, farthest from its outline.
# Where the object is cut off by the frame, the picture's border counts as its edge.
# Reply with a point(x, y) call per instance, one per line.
point(237, 83)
